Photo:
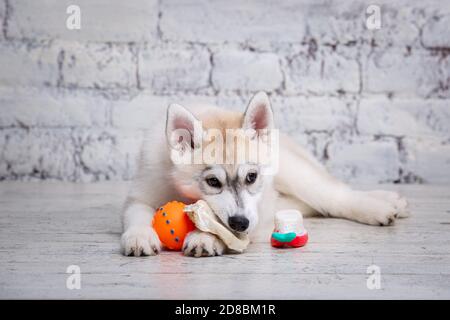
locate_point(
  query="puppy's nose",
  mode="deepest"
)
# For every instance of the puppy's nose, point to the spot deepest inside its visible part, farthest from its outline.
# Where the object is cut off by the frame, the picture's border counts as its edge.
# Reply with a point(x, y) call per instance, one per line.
point(238, 223)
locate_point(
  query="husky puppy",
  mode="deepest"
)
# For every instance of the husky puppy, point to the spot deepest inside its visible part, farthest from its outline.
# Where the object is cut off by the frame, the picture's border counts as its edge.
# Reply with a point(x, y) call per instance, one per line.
point(180, 161)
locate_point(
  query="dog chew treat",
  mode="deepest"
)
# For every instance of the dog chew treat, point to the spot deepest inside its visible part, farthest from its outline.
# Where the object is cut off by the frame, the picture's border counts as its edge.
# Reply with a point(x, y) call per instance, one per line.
point(204, 219)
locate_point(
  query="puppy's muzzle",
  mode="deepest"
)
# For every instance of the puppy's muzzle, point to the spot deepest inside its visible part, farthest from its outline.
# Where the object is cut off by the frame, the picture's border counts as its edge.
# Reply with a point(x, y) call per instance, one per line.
point(238, 223)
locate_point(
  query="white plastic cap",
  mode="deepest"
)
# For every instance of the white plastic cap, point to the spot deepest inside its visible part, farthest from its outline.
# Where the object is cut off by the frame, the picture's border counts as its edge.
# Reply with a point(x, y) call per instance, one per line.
point(289, 221)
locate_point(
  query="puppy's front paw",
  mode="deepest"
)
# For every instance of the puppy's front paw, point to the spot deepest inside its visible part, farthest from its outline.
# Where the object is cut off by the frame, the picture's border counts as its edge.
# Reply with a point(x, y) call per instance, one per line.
point(202, 244)
point(384, 216)
point(140, 240)
point(400, 203)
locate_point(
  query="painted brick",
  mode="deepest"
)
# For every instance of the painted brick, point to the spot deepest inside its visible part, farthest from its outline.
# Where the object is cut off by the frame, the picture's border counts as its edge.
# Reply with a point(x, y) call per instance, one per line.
point(2, 19)
point(37, 154)
point(298, 115)
point(435, 32)
point(25, 64)
point(32, 107)
point(343, 23)
point(145, 110)
point(371, 104)
point(364, 160)
point(169, 70)
point(417, 74)
point(404, 117)
point(101, 20)
point(140, 112)
point(232, 21)
point(115, 66)
point(246, 71)
point(427, 160)
point(106, 154)
point(321, 71)
point(399, 25)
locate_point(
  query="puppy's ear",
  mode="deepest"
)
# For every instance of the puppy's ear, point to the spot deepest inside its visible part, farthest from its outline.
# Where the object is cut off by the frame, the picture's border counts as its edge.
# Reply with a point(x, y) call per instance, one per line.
point(183, 129)
point(259, 114)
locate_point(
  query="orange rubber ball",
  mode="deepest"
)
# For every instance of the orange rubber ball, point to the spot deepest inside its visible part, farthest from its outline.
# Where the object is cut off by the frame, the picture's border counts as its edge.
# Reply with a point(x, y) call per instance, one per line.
point(172, 224)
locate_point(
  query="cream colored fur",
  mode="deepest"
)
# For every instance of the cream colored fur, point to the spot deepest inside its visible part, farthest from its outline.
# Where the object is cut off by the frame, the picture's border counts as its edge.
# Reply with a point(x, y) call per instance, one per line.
point(301, 183)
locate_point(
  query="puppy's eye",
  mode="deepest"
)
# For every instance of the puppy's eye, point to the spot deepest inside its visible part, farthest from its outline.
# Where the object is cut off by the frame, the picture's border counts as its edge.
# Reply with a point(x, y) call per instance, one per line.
point(251, 177)
point(214, 182)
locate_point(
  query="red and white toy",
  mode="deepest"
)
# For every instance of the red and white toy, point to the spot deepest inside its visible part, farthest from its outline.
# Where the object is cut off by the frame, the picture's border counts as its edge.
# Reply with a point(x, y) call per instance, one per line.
point(289, 230)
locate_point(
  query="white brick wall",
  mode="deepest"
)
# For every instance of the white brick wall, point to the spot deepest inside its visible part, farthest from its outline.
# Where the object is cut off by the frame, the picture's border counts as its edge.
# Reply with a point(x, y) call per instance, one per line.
point(52, 108)
point(38, 154)
point(323, 71)
point(375, 160)
point(256, 71)
point(233, 21)
point(102, 21)
point(404, 117)
point(114, 65)
point(173, 69)
point(403, 74)
point(25, 64)
point(427, 160)
point(433, 31)
point(373, 105)
point(300, 115)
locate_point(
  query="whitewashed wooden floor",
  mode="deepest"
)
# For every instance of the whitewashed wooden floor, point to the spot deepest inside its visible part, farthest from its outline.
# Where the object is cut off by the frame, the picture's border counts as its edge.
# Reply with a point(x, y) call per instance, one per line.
point(45, 227)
